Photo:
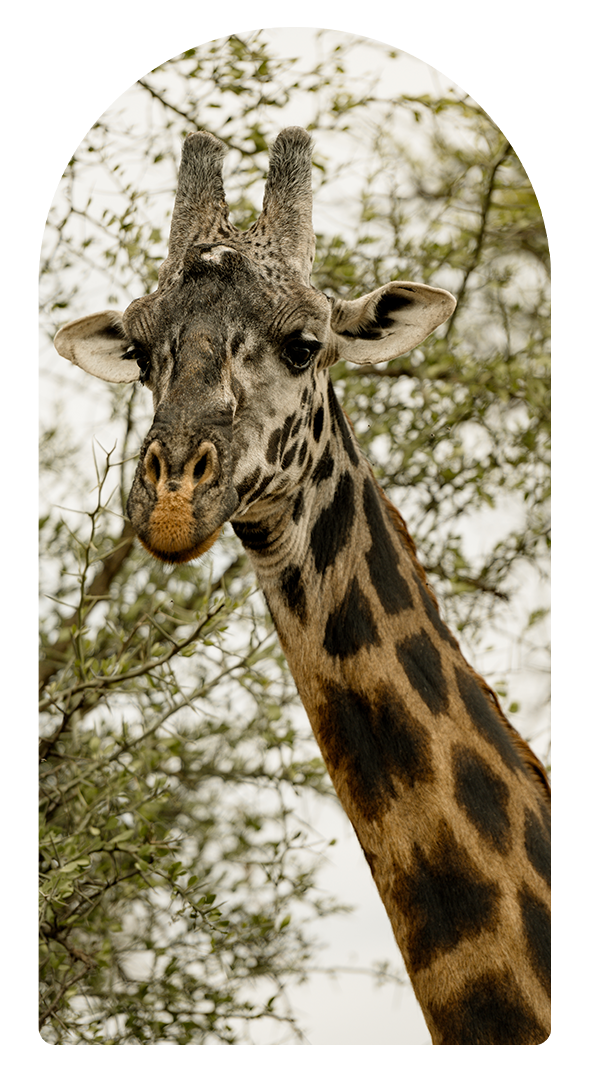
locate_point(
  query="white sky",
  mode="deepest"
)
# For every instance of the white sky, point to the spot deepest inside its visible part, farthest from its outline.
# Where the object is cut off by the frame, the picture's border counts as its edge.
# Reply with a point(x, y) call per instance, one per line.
point(349, 1009)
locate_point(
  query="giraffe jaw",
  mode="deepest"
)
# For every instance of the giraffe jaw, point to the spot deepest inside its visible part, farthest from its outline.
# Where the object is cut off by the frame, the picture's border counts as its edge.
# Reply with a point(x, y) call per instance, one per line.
point(184, 555)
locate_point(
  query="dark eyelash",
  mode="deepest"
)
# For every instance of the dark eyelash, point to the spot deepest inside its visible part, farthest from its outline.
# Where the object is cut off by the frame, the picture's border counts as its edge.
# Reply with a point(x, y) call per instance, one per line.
point(138, 354)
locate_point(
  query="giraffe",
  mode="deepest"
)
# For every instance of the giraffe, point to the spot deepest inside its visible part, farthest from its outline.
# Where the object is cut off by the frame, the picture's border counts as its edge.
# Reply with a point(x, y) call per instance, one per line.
point(449, 804)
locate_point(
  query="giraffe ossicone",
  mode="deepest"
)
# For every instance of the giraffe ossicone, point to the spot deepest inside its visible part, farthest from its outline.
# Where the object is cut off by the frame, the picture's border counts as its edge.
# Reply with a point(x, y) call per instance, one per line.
point(450, 805)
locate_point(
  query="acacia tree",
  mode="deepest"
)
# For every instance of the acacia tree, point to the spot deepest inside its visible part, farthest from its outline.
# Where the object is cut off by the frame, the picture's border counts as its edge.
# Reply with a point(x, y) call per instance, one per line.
point(177, 882)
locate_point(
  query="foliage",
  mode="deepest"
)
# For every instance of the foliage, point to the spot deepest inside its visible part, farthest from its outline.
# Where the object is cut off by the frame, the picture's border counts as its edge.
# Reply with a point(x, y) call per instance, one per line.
point(176, 880)
point(171, 861)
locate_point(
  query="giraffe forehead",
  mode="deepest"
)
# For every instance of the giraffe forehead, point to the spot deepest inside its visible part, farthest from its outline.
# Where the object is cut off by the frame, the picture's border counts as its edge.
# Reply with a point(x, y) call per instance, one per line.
point(229, 300)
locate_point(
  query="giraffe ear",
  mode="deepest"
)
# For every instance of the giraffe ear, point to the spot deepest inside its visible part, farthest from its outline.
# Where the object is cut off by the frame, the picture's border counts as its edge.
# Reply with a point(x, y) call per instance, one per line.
point(98, 343)
point(389, 321)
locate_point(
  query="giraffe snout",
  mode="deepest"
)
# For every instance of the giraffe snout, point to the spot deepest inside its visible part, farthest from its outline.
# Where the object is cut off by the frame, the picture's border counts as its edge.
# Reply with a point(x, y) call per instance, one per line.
point(180, 499)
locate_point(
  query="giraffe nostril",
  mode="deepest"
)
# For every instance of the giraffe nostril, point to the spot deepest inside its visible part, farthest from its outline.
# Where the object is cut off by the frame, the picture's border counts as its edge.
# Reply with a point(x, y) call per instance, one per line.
point(153, 467)
point(205, 465)
point(200, 468)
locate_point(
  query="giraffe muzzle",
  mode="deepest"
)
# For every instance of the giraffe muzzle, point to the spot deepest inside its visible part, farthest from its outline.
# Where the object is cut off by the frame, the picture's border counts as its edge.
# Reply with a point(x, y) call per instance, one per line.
point(178, 507)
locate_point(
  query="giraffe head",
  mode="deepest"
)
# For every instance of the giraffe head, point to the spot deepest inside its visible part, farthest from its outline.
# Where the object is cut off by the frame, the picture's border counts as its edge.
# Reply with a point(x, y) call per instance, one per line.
point(235, 344)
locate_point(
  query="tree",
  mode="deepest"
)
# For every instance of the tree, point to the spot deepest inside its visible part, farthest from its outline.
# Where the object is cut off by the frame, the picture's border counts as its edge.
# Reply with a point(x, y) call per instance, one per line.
point(177, 882)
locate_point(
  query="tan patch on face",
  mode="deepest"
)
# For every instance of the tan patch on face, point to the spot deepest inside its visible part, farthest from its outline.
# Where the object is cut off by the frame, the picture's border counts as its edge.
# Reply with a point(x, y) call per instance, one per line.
point(171, 522)
point(183, 556)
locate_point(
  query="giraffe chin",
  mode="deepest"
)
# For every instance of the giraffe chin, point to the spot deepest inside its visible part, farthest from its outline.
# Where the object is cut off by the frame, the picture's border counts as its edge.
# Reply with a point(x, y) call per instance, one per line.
point(185, 555)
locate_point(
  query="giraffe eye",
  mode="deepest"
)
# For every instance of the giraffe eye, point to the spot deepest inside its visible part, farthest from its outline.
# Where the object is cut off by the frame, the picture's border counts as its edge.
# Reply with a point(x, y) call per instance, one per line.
point(136, 353)
point(299, 353)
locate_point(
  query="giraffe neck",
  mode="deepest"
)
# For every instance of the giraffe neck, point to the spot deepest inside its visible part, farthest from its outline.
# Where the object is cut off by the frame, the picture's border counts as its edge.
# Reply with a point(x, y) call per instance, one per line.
point(449, 804)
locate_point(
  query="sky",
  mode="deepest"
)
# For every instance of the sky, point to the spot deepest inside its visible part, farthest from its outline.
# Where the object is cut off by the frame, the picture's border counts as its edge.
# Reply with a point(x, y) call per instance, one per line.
point(347, 1009)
